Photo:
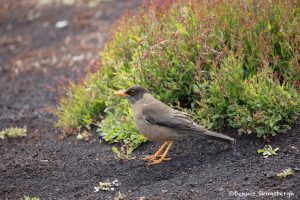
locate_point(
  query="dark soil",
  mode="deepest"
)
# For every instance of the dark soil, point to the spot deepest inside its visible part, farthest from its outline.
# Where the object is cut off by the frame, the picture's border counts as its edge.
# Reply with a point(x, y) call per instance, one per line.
point(35, 55)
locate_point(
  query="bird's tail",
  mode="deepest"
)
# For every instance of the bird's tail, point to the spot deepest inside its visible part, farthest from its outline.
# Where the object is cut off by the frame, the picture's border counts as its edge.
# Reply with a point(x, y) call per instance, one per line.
point(217, 136)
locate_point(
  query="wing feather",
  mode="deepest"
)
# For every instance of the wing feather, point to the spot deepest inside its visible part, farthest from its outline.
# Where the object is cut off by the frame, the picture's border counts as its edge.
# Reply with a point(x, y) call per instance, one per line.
point(164, 115)
point(160, 114)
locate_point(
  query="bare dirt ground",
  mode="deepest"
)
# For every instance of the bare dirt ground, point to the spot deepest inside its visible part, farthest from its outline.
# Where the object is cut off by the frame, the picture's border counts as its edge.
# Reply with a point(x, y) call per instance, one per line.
point(35, 55)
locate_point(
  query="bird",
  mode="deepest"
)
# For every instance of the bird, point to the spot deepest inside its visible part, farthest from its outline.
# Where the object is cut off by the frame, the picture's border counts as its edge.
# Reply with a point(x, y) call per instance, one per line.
point(157, 121)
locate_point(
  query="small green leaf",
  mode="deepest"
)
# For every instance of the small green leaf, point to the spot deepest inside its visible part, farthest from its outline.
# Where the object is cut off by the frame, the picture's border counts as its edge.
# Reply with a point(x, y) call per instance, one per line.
point(115, 150)
point(181, 29)
point(269, 27)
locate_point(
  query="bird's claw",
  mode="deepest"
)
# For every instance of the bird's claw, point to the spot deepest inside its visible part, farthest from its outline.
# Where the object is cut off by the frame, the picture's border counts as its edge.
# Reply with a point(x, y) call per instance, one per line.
point(152, 157)
point(154, 162)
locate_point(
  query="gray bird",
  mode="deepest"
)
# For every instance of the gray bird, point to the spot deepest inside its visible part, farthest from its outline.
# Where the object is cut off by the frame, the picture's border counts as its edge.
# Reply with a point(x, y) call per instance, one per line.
point(158, 122)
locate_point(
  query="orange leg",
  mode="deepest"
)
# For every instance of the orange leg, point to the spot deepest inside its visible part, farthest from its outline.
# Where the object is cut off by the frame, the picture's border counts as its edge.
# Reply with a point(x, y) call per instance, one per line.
point(163, 157)
point(154, 156)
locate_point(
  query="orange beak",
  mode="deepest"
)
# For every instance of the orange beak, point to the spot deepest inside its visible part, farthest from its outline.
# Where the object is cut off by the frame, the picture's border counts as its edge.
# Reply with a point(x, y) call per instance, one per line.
point(121, 93)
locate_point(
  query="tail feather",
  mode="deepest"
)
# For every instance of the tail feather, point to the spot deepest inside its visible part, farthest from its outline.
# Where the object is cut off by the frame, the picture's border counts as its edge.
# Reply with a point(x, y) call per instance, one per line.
point(217, 136)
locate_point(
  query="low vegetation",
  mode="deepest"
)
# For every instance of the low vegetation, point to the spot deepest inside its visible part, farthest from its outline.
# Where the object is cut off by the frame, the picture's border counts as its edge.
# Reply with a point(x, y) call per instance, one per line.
point(84, 135)
point(230, 63)
point(268, 151)
point(31, 198)
point(13, 132)
point(285, 173)
point(123, 153)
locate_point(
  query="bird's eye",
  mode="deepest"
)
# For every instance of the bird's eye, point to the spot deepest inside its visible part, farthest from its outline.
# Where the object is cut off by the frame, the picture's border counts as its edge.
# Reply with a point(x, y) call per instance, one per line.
point(133, 92)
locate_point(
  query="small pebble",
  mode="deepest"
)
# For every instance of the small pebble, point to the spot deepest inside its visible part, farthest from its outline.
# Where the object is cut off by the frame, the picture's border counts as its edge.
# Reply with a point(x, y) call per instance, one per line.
point(61, 24)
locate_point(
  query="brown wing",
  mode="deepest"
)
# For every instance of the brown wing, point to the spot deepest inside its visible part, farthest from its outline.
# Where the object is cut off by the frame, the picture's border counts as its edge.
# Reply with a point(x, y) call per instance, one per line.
point(160, 114)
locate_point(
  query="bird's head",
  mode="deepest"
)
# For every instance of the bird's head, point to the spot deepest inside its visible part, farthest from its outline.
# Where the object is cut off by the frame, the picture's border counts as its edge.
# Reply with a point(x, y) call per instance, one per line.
point(134, 93)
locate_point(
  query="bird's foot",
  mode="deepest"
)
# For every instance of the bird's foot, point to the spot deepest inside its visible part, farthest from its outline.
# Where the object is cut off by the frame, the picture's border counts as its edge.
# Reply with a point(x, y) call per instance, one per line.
point(154, 157)
point(150, 157)
point(157, 161)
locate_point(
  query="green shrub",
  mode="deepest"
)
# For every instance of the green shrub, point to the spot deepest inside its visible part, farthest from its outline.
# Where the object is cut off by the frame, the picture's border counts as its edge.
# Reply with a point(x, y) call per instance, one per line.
point(80, 107)
point(235, 63)
point(118, 126)
point(259, 105)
